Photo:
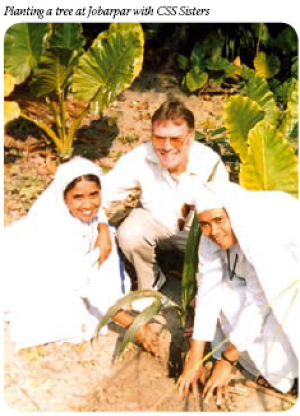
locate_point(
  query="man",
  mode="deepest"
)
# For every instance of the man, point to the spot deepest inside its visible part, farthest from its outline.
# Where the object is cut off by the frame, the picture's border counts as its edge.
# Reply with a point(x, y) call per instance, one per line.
point(247, 286)
point(163, 170)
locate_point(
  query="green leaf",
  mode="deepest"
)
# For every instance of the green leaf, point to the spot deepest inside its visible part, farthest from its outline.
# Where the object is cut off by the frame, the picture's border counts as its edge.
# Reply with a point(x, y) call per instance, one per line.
point(217, 63)
point(67, 36)
point(140, 320)
point(53, 73)
point(23, 45)
point(128, 299)
point(271, 162)
point(183, 62)
point(194, 80)
point(197, 55)
point(258, 90)
point(108, 67)
point(266, 67)
point(290, 115)
point(190, 265)
point(240, 116)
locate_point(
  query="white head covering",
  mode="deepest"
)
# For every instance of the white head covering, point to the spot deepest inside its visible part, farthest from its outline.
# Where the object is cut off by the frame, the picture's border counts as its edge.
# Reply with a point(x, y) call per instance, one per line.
point(49, 255)
point(50, 207)
point(206, 199)
point(266, 225)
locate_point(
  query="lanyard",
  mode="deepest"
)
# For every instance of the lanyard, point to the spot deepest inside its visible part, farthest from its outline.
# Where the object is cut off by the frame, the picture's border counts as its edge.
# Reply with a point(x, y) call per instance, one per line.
point(231, 272)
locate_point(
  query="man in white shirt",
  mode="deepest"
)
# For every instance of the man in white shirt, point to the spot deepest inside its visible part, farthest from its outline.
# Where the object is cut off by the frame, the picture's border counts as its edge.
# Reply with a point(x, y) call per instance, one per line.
point(163, 169)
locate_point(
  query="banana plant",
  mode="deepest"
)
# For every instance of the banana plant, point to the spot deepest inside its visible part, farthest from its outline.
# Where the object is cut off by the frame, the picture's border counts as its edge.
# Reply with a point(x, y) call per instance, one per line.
point(259, 134)
point(95, 76)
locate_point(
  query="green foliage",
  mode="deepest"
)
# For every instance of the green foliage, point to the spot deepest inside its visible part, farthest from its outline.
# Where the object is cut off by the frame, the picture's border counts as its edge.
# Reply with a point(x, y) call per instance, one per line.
point(271, 163)
point(190, 266)
point(266, 66)
point(160, 302)
point(240, 116)
point(259, 133)
point(203, 65)
point(11, 108)
point(108, 67)
point(23, 47)
point(96, 76)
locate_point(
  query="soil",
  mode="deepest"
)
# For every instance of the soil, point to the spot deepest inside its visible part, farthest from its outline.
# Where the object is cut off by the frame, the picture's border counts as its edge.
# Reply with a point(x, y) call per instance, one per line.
point(87, 376)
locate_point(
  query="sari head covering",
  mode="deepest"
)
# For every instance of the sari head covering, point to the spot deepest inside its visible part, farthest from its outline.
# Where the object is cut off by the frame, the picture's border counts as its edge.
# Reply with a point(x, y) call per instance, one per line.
point(49, 258)
point(266, 225)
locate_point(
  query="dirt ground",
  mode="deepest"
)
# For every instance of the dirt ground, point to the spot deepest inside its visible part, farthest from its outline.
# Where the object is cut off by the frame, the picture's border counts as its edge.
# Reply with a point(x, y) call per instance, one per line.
point(86, 377)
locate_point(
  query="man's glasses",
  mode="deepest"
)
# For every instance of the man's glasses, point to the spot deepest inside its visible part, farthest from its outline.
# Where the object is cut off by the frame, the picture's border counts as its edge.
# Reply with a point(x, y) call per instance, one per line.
point(174, 141)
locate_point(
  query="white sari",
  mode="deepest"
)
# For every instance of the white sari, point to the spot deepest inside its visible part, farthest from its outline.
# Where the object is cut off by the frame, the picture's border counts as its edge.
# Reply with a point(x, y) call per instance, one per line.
point(55, 290)
point(266, 227)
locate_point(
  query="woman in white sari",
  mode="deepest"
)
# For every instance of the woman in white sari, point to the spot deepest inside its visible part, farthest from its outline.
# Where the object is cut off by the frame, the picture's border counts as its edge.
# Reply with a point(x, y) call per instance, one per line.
point(59, 276)
point(247, 287)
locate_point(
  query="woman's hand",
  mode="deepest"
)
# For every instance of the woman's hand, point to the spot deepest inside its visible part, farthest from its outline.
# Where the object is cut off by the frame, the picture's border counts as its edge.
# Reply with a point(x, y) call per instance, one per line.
point(219, 382)
point(103, 241)
point(193, 370)
point(148, 338)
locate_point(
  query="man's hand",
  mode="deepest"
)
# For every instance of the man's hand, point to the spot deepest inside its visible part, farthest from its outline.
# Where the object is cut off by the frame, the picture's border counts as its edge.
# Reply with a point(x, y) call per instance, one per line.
point(103, 241)
point(148, 338)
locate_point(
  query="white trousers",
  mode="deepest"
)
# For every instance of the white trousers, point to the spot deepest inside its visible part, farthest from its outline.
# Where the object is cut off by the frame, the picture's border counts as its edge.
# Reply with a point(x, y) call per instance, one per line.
point(138, 236)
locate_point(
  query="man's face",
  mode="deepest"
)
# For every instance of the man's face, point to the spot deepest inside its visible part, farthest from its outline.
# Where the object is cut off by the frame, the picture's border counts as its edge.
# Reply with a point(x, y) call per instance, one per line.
point(216, 225)
point(171, 141)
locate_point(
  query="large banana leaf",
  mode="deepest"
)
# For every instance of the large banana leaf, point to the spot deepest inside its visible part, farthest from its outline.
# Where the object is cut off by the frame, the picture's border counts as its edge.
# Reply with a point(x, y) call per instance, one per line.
point(266, 66)
point(108, 67)
point(271, 163)
point(240, 116)
point(23, 45)
point(258, 90)
point(53, 73)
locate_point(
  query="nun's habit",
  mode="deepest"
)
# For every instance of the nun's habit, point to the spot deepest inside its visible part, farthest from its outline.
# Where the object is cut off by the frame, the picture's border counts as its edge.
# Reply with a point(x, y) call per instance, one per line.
point(249, 292)
point(55, 290)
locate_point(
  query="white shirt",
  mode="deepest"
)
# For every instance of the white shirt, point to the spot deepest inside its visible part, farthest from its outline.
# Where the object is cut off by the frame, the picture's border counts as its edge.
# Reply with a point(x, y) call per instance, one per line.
point(162, 194)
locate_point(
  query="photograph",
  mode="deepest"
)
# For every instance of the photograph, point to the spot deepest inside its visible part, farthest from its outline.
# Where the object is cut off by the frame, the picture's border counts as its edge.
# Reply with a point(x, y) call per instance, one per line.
point(150, 247)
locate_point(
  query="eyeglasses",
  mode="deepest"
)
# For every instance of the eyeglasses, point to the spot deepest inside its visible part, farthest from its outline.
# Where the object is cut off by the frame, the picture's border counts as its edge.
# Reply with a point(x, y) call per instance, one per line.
point(174, 141)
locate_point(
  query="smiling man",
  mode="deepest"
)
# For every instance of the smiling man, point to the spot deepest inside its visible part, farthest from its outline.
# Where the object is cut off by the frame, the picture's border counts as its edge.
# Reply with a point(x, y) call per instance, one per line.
point(163, 169)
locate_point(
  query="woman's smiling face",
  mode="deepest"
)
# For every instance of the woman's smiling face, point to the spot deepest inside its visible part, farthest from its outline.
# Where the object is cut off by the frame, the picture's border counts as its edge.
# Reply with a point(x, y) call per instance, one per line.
point(84, 200)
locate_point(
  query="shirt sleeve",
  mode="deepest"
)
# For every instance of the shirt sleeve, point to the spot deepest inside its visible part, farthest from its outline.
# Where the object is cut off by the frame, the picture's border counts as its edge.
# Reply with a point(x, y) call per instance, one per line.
point(209, 295)
point(253, 315)
point(102, 218)
point(117, 184)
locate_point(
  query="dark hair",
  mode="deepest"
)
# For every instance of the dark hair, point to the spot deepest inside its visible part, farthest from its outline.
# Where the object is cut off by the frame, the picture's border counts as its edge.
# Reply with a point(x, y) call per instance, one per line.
point(174, 110)
point(89, 178)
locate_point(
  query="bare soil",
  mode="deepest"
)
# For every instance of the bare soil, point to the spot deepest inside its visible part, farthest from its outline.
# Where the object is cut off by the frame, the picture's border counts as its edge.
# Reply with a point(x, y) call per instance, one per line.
point(86, 377)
